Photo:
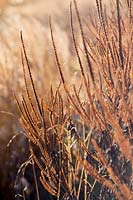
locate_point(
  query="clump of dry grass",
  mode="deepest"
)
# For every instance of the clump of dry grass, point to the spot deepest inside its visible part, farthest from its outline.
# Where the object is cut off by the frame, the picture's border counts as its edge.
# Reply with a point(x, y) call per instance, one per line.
point(81, 137)
point(11, 72)
point(39, 53)
point(11, 79)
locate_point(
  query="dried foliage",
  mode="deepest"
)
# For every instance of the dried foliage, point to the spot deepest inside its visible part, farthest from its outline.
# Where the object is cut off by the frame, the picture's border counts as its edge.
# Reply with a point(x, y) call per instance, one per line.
point(81, 138)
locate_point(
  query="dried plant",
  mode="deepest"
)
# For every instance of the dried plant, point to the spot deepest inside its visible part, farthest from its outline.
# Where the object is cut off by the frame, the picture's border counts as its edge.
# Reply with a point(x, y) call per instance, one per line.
point(82, 144)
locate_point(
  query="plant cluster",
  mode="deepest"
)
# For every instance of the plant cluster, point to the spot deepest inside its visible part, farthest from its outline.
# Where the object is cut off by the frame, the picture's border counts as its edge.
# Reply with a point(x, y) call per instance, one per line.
point(81, 137)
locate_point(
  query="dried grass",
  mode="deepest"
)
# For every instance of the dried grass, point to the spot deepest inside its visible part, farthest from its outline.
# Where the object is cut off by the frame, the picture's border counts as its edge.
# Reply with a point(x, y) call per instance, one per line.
point(81, 135)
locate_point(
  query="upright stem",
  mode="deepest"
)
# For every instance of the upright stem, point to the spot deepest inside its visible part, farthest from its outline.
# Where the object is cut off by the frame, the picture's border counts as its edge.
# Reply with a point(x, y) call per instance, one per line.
point(85, 173)
point(120, 34)
point(69, 161)
point(35, 178)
